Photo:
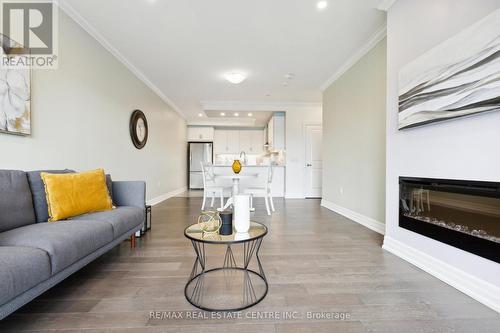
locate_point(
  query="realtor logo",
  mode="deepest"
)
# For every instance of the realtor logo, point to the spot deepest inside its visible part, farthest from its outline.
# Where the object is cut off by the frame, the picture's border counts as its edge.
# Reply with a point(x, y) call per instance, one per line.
point(29, 34)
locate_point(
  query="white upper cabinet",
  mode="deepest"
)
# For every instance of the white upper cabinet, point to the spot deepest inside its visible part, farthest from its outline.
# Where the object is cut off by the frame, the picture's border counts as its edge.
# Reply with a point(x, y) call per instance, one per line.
point(220, 142)
point(276, 132)
point(200, 133)
point(270, 133)
point(250, 141)
point(246, 141)
point(233, 141)
point(257, 145)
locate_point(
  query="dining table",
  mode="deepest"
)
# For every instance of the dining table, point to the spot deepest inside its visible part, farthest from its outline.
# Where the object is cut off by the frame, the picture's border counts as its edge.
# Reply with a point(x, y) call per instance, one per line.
point(236, 184)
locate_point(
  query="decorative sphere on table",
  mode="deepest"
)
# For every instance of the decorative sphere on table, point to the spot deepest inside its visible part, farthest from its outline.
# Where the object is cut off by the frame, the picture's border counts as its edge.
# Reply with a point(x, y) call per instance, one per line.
point(209, 222)
point(236, 166)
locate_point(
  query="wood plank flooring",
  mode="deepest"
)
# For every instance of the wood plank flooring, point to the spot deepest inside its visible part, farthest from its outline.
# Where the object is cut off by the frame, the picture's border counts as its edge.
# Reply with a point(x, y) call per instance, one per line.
point(315, 261)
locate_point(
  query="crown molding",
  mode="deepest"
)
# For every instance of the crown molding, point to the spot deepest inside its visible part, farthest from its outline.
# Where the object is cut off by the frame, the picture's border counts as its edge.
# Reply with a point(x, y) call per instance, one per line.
point(255, 106)
point(360, 53)
point(385, 5)
point(85, 25)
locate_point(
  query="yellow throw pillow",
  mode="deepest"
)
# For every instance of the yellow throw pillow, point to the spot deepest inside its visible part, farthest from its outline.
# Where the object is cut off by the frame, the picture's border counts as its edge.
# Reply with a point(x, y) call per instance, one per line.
point(73, 194)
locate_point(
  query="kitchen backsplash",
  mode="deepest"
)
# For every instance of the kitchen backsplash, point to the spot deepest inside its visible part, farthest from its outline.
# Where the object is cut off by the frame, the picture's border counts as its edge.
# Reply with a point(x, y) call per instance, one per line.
point(277, 158)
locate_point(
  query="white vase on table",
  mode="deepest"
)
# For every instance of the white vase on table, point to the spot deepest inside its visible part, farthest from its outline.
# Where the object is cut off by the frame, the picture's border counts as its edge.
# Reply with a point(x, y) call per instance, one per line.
point(241, 212)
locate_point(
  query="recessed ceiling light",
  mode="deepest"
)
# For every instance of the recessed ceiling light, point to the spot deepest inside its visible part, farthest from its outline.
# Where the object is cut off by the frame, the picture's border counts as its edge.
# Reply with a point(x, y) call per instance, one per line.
point(322, 5)
point(235, 77)
point(236, 114)
point(200, 114)
point(222, 114)
point(250, 114)
point(289, 76)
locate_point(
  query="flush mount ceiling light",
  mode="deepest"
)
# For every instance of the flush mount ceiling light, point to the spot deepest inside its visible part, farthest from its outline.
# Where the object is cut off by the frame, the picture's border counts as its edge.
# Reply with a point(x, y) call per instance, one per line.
point(322, 5)
point(235, 77)
point(236, 114)
point(222, 114)
point(250, 114)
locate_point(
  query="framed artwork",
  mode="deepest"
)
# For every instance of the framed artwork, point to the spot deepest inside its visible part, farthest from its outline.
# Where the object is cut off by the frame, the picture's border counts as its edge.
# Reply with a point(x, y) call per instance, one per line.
point(458, 78)
point(15, 96)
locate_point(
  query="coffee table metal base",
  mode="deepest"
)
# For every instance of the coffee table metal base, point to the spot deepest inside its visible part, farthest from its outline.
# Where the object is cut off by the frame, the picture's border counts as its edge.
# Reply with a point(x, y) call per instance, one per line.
point(195, 289)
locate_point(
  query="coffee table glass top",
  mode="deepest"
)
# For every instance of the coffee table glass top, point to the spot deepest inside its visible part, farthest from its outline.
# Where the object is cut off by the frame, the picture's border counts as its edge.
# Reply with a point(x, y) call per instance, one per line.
point(195, 233)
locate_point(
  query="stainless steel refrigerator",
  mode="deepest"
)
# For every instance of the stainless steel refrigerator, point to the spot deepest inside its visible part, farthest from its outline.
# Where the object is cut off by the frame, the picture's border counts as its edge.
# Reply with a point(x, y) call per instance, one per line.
point(198, 152)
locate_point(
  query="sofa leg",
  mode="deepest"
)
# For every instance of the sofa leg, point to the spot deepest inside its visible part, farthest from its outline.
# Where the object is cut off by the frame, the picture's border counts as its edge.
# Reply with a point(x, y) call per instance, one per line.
point(132, 241)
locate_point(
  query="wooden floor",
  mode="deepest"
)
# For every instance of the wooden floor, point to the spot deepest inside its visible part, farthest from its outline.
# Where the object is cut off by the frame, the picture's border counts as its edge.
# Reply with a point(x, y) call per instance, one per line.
point(315, 260)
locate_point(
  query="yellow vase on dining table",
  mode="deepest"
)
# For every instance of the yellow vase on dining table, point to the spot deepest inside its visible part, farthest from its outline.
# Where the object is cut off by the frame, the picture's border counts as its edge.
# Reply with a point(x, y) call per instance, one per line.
point(236, 166)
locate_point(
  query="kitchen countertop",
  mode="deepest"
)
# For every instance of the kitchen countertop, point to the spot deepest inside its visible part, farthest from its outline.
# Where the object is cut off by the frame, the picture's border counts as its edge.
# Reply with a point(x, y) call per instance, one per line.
point(249, 166)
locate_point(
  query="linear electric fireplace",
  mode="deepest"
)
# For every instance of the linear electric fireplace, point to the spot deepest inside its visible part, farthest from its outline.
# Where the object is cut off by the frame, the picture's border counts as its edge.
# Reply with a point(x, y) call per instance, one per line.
point(464, 214)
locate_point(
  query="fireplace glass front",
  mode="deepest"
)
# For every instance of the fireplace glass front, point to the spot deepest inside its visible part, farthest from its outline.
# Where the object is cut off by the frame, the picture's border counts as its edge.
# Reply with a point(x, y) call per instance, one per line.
point(464, 214)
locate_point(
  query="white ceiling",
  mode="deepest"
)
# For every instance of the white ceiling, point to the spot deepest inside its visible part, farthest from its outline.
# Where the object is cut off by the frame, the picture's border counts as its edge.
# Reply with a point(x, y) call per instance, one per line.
point(182, 48)
point(236, 118)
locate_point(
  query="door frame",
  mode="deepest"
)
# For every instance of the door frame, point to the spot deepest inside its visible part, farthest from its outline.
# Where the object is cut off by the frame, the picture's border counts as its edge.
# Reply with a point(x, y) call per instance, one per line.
point(304, 168)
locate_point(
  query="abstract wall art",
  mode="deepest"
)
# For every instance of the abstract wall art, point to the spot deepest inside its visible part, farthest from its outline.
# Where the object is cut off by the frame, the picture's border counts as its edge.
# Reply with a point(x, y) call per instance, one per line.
point(458, 78)
point(15, 97)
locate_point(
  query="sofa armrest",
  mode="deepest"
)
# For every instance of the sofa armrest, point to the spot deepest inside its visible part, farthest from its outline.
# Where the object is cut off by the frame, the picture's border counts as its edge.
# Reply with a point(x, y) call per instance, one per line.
point(129, 193)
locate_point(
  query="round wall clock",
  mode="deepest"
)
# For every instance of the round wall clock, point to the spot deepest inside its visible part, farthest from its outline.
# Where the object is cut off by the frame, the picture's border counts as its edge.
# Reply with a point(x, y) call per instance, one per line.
point(138, 129)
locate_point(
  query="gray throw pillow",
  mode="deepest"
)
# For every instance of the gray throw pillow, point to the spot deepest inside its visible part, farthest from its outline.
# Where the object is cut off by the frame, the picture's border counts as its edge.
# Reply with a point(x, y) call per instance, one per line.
point(16, 207)
point(109, 185)
point(38, 193)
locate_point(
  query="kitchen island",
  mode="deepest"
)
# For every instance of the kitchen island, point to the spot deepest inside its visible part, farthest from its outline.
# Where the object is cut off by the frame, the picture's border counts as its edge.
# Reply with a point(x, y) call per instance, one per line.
point(277, 186)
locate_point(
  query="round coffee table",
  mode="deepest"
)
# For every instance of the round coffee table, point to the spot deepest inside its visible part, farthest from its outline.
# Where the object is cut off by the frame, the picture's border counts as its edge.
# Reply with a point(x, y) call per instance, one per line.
point(232, 286)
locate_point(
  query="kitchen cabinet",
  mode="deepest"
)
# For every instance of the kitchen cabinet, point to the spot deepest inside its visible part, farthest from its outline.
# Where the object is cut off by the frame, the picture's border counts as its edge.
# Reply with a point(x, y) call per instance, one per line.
point(233, 142)
point(226, 141)
point(200, 133)
point(252, 141)
point(257, 143)
point(220, 142)
point(276, 132)
point(246, 141)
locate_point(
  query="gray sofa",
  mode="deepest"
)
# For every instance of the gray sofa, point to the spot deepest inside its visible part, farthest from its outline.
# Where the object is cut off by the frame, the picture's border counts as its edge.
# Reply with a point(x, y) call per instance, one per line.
point(35, 255)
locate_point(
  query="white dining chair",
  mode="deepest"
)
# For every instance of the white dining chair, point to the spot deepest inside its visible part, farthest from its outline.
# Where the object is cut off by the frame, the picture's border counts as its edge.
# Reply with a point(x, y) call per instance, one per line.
point(210, 187)
point(264, 191)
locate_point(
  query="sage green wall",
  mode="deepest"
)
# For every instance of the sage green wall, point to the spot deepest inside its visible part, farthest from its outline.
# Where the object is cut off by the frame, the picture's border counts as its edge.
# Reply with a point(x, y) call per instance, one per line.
point(354, 117)
point(80, 119)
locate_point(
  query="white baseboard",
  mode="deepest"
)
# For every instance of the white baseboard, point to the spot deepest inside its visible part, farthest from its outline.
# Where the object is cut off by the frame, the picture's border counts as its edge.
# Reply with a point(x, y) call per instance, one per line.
point(163, 197)
point(480, 290)
point(294, 196)
point(356, 217)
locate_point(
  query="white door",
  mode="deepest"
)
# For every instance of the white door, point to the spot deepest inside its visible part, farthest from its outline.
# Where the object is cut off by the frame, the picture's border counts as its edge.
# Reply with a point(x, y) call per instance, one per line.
point(314, 161)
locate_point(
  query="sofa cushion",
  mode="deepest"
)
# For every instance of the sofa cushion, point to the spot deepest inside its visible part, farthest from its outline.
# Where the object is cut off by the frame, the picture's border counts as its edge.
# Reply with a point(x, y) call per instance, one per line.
point(22, 268)
point(122, 218)
point(16, 205)
point(38, 193)
point(65, 241)
point(74, 194)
